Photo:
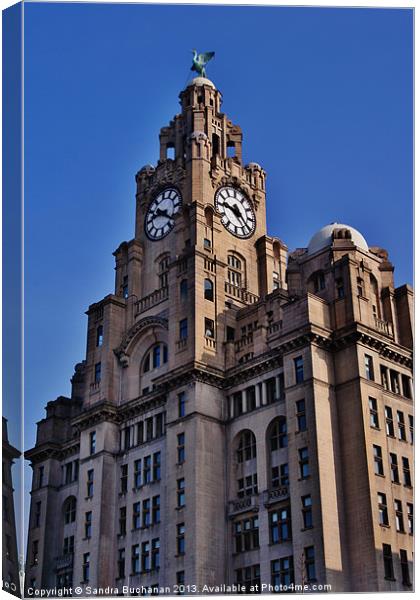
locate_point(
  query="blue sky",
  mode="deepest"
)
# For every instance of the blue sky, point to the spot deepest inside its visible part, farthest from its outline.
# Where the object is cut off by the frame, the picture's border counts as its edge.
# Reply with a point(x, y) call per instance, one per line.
point(324, 98)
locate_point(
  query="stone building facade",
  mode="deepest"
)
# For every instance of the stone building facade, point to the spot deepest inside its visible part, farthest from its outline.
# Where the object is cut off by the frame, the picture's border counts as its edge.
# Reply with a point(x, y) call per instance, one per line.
point(242, 416)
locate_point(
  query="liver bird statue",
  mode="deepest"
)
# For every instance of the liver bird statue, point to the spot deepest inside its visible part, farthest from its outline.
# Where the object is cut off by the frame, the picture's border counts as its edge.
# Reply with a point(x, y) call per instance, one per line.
point(200, 61)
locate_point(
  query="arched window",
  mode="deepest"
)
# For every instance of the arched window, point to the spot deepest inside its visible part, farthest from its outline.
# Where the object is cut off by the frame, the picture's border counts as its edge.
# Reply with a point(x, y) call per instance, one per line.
point(208, 290)
point(235, 271)
point(247, 446)
point(278, 434)
point(163, 272)
point(155, 357)
point(183, 289)
point(376, 302)
point(208, 213)
point(70, 510)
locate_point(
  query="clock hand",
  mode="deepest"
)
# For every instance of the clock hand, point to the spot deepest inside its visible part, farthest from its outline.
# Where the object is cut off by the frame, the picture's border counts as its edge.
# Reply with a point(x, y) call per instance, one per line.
point(162, 213)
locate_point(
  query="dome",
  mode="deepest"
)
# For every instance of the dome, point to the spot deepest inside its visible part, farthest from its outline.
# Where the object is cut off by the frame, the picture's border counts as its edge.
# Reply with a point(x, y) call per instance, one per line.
point(322, 238)
point(202, 81)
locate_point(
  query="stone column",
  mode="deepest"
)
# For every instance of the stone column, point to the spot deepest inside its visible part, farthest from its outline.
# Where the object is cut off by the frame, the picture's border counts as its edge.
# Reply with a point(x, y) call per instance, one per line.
point(257, 395)
point(264, 393)
point(244, 401)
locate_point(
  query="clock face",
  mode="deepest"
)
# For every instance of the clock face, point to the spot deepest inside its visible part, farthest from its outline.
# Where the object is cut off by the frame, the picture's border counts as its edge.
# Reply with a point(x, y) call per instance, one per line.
point(160, 215)
point(236, 211)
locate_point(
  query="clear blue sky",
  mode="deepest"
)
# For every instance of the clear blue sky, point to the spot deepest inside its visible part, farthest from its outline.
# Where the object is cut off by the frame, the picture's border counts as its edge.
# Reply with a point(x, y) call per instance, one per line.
point(324, 98)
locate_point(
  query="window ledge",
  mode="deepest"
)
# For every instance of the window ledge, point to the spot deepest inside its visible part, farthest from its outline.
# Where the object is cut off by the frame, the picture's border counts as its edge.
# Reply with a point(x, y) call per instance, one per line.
point(380, 475)
point(180, 507)
point(384, 525)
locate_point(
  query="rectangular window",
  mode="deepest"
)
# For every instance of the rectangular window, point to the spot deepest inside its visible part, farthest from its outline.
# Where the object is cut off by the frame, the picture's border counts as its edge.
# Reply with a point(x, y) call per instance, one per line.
point(389, 422)
point(298, 369)
point(156, 466)
point(155, 554)
point(411, 428)
point(92, 442)
point(159, 425)
point(399, 517)
point(181, 493)
point(98, 372)
point(280, 525)
point(99, 336)
point(156, 509)
point(180, 582)
point(230, 334)
point(181, 447)
point(209, 328)
point(124, 479)
point(388, 564)
point(394, 377)
point(406, 386)
point(282, 572)
point(369, 374)
point(339, 284)
point(410, 518)
point(247, 486)
point(146, 513)
point(304, 463)
point(149, 429)
point(307, 511)
point(181, 404)
point(68, 473)
point(378, 462)
point(406, 471)
point(135, 559)
point(383, 509)
point(270, 386)
point(246, 534)
point(137, 474)
point(123, 520)
point(405, 570)
point(310, 563)
point(88, 524)
point(237, 404)
point(280, 475)
point(384, 377)
point(249, 577)
point(395, 476)
point(250, 398)
point(183, 329)
point(401, 426)
point(121, 563)
point(125, 287)
point(140, 433)
point(147, 469)
point(373, 411)
point(89, 484)
point(136, 515)
point(145, 557)
point(180, 538)
point(86, 567)
point(301, 415)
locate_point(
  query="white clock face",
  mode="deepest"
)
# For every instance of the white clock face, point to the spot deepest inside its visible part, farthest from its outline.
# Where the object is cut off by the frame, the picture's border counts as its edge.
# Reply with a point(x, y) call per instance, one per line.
point(160, 215)
point(236, 211)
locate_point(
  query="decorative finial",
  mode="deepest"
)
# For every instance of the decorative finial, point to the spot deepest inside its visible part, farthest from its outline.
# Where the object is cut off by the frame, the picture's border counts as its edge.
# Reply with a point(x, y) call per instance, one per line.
point(200, 61)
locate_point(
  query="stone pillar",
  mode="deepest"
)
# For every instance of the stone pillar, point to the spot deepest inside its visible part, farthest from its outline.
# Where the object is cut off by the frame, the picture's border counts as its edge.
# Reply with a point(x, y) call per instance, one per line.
point(244, 401)
point(264, 393)
point(257, 396)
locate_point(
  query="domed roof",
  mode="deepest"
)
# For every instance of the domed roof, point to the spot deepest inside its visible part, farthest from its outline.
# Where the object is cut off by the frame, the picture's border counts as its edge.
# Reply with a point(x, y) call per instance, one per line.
point(201, 81)
point(323, 237)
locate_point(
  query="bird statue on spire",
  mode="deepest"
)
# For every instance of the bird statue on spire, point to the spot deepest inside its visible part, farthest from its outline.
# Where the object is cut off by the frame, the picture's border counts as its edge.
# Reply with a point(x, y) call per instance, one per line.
point(200, 61)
